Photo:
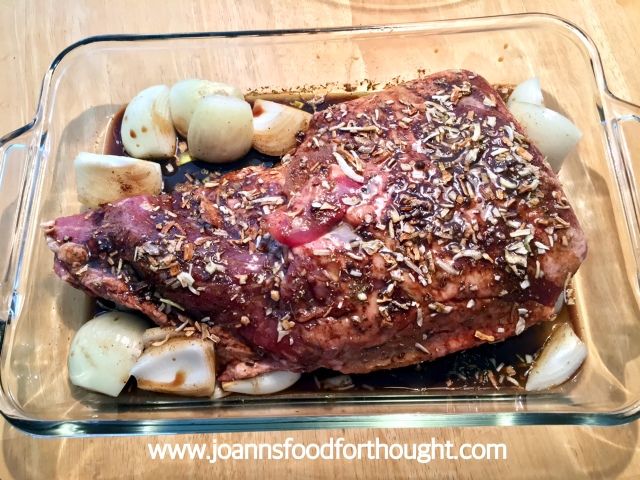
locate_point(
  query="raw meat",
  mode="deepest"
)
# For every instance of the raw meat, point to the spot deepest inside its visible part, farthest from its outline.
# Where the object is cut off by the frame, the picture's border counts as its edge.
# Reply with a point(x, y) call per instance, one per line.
point(446, 229)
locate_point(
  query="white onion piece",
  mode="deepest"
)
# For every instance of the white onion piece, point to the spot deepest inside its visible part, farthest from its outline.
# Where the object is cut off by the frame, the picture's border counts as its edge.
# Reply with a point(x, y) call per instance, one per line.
point(339, 382)
point(185, 96)
point(104, 179)
point(181, 365)
point(159, 334)
point(103, 351)
point(147, 130)
point(559, 304)
point(264, 384)
point(275, 126)
point(347, 169)
point(554, 134)
point(528, 91)
point(219, 393)
point(221, 129)
point(561, 356)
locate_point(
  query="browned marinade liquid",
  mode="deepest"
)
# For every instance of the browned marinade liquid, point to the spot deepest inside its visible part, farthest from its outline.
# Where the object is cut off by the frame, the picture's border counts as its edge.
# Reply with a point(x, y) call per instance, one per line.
point(113, 139)
point(495, 367)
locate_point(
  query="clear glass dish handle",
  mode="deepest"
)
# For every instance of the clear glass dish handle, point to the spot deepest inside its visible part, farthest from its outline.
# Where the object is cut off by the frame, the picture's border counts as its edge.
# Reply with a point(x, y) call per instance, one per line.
point(623, 134)
point(14, 159)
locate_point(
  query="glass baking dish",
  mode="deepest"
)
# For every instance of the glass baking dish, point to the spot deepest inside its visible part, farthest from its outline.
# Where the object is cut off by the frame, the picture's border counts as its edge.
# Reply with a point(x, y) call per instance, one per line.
point(89, 81)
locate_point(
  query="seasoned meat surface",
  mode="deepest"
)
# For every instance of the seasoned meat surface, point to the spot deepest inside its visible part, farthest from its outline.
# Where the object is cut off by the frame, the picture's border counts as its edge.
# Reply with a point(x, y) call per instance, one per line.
point(407, 225)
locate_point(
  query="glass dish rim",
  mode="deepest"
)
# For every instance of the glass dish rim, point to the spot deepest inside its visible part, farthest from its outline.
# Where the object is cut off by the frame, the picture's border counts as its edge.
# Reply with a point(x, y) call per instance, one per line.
point(625, 414)
point(597, 68)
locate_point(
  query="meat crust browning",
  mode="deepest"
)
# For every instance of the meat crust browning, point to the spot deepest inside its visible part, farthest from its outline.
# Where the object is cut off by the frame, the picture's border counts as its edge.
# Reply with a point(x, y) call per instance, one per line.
point(446, 230)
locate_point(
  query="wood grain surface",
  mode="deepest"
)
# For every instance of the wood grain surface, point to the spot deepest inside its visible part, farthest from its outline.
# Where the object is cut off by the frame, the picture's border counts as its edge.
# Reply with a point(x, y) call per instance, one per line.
point(33, 32)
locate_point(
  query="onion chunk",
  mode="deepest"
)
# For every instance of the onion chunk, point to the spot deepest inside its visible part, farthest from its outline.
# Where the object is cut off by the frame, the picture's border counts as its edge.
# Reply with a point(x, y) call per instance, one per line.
point(264, 384)
point(554, 134)
point(104, 350)
point(221, 129)
point(178, 365)
point(104, 179)
point(147, 130)
point(560, 358)
point(528, 91)
point(275, 127)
